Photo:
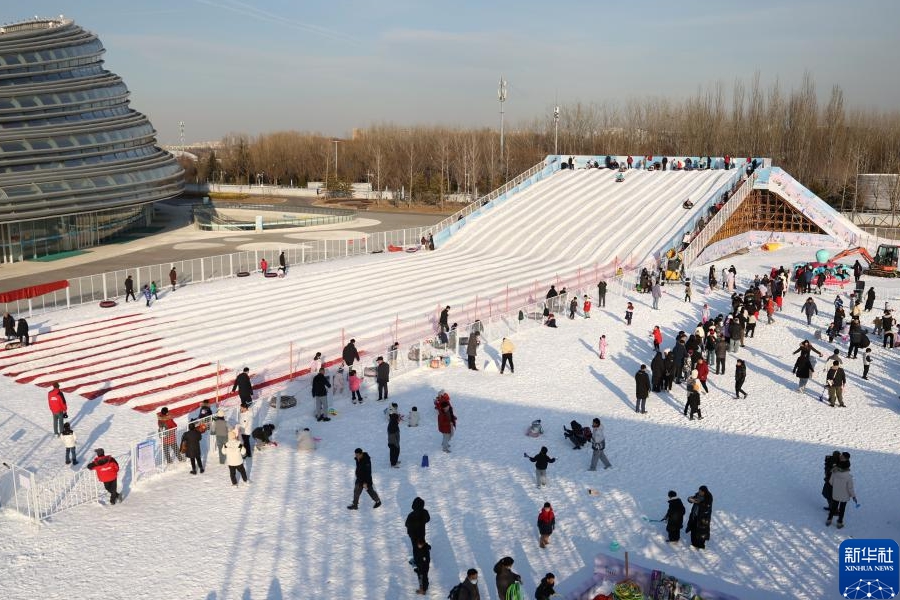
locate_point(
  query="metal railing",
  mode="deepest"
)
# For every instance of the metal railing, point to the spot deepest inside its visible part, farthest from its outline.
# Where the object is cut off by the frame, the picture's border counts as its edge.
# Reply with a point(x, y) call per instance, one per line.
point(699, 242)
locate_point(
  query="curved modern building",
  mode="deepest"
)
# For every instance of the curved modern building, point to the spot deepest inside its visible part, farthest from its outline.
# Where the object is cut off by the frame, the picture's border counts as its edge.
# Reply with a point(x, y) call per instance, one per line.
point(77, 165)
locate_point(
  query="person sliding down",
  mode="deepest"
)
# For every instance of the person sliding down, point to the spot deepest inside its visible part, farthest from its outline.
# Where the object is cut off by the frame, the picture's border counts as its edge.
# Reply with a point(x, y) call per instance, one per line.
point(687, 204)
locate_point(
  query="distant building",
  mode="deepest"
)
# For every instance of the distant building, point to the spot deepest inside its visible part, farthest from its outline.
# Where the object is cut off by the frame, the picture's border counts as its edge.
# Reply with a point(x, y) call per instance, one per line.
point(77, 165)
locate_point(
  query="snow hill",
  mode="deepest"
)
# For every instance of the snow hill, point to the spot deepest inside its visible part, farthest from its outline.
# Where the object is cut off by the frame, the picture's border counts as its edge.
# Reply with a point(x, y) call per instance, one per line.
point(570, 228)
point(289, 535)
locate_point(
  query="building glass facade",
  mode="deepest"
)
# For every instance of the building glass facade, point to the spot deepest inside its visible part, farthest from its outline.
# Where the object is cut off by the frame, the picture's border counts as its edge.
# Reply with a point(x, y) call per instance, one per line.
point(77, 165)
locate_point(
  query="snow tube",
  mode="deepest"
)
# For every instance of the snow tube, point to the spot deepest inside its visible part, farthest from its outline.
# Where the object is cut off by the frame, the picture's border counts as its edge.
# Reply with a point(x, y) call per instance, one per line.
point(107, 303)
point(271, 274)
point(413, 249)
point(769, 246)
point(286, 401)
point(243, 274)
point(12, 345)
point(392, 248)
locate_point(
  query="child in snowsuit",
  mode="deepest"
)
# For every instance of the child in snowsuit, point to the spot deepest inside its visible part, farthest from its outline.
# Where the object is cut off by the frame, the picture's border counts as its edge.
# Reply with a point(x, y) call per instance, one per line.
point(674, 517)
point(629, 313)
point(541, 460)
point(413, 419)
point(354, 384)
point(867, 362)
point(687, 291)
point(587, 307)
point(146, 292)
point(69, 439)
point(602, 346)
point(573, 308)
point(422, 562)
point(546, 522)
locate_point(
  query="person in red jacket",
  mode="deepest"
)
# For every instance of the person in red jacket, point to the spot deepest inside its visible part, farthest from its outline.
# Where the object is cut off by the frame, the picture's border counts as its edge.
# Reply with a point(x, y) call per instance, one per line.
point(58, 407)
point(107, 470)
point(703, 373)
point(167, 429)
point(446, 424)
point(546, 522)
point(657, 338)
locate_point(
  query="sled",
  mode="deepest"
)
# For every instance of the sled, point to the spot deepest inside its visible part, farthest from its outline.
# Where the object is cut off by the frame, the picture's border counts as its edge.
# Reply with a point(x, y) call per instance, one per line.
point(593, 492)
point(243, 274)
point(12, 345)
point(107, 303)
point(270, 274)
point(393, 248)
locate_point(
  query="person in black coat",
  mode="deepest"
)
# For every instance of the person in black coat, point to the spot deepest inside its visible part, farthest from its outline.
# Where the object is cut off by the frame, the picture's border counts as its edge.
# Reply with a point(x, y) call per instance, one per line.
point(349, 354)
point(656, 372)
point(444, 321)
point(382, 376)
point(190, 445)
point(870, 299)
point(320, 387)
point(642, 389)
point(541, 460)
point(393, 431)
point(601, 293)
point(363, 479)
point(740, 375)
point(668, 371)
point(831, 461)
point(674, 517)
point(422, 562)
point(545, 590)
point(244, 387)
point(678, 353)
point(699, 520)
point(22, 332)
point(129, 289)
point(9, 326)
point(416, 521)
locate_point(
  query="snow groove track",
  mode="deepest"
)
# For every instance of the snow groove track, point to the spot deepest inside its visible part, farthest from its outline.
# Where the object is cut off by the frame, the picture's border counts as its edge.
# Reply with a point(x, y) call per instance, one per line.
point(568, 221)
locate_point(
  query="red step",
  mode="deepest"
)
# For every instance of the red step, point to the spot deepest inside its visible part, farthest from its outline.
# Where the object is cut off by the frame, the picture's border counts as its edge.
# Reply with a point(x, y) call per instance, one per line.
point(71, 360)
point(124, 399)
point(101, 392)
point(109, 368)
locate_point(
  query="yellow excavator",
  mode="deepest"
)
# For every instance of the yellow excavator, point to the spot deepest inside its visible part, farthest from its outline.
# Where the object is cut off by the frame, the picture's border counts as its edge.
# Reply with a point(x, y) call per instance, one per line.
point(883, 264)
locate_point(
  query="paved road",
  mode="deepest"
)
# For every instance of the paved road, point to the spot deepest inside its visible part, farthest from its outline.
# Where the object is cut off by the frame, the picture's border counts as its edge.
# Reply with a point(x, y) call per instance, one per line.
point(161, 247)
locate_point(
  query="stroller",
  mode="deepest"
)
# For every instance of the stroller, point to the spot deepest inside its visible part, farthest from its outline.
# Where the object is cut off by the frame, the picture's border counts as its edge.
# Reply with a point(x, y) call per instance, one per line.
point(578, 435)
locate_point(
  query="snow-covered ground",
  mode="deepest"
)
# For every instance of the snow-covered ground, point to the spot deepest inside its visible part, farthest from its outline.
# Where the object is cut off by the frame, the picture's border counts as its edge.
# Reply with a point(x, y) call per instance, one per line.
point(289, 535)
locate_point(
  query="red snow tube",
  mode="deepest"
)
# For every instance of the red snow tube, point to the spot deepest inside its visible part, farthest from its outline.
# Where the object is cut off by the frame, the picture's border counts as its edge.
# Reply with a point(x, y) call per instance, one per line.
point(107, 303)
point(243, 274)
point(392, 248)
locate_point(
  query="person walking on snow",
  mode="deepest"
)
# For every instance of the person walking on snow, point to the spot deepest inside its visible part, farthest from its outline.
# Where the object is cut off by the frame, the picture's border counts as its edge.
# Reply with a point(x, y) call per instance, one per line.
point(687, 291)
point(416, 521)
point(674, 517)
point(315, 364)
point(244, 387)
point(167, 426)
point(154, 291)
point(642, 389)
point(506, 355)
point(129, 289)
point(541, 461)
point(841, 492)
point(146, 292)
point(657, 372)
point(701, 514)
point(107, 470)
point(444, 320)
point(393, 434)
point(586, 307)
point(867, 362)
point(219, 428)
point(573, 308)
point(190, 441)
point(809, 309)
point(835, 379)
point(657, 338)
point(363, 479)
point(740, 375)
point(320, 387)
point(350, 354)
point(703, 374)
point(422, 562)
point(602, 346)
point(546, 522)
point(472, 349)
point(803, 369)
point(69, 439)
point(656, 294)
point(282, 262)
point(245, 422)
point(693, 401)
point(704, 313)
point(9, 326)
point(264, 266)
point(382, 377)
point(629, 313)
point(870, 299)
point(58, 408)
point(601, 294)
point(505, 577)
point(235, 452)
point(355, 382)
point(173, 277)
point(446, 424)
point(598, 445)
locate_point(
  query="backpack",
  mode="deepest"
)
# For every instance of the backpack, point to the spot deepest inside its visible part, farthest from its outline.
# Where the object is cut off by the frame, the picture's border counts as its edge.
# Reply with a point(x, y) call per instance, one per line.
point(455, 592)
point(514, 591)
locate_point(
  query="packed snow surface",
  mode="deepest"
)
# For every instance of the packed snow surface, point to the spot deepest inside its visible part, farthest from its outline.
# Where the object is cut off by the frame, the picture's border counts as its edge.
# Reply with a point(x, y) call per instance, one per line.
point(289, 534)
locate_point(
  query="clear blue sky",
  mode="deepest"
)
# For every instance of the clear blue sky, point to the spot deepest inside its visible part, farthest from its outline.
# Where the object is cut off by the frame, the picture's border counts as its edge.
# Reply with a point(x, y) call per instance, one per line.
point(229, 65)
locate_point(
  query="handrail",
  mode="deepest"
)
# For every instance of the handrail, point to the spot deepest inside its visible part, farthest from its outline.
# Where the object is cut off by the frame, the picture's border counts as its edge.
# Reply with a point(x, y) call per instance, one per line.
point(696, 246)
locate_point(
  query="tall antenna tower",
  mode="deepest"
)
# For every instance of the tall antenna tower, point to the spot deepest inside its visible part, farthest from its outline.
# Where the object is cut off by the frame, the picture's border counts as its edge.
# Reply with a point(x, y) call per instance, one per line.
point(501, 97)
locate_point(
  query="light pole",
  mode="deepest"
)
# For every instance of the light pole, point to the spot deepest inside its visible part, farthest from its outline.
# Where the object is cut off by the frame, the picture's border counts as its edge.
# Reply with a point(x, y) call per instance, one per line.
point(556, 130)
point(336, 142)
point(181, 134)
point(501, 97)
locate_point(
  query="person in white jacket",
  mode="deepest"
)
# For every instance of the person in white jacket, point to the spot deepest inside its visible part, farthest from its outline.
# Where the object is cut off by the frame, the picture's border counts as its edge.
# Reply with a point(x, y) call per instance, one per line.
point(234, 458)
point(305, 441)
point(315, 364)
point(69, 439)
point(841, 491)
point(245, 422)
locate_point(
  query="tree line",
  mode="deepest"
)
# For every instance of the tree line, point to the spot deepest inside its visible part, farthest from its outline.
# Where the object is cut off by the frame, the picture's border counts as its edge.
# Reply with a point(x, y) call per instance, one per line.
point(823, 145)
